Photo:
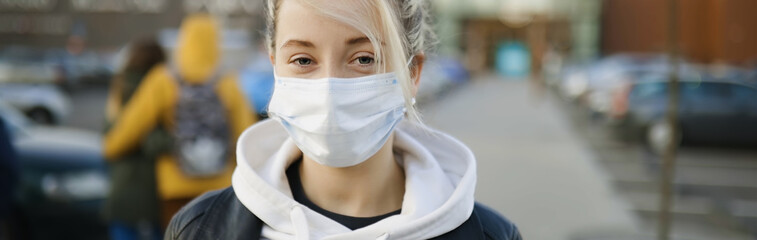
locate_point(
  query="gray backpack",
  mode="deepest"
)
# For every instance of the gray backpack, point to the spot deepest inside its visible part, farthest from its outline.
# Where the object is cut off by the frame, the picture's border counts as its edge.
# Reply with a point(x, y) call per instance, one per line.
point(201, 131)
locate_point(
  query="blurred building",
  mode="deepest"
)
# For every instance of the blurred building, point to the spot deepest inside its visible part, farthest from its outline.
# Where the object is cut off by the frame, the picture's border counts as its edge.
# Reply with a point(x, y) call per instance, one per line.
point(475, 29)
point(710, 31)
point(39, 30)
point(108, 24)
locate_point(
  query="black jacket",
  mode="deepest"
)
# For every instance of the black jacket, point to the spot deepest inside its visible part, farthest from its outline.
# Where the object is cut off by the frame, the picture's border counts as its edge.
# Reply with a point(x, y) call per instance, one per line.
point(220, 215)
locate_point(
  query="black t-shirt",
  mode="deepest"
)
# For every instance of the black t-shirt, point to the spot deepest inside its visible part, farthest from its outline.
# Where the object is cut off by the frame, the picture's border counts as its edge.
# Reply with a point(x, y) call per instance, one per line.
point(299, 195)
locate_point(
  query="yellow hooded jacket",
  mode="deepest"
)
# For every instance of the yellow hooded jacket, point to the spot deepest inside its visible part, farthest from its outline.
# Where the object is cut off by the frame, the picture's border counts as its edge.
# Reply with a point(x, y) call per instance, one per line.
point(196, 59)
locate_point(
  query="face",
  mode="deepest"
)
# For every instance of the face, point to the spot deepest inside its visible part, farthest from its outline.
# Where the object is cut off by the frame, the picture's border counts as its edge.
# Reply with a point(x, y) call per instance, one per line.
point(311, 45)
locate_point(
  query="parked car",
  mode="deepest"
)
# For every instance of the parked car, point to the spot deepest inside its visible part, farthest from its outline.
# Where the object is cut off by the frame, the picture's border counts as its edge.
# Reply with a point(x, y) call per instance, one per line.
point(43, 103)
point(582, 79)
point(599, 101)
point(592, 86)
point(719, 111)
point(28, 72)
point(63, 180)
point(88, 67)
point(31, 65)
point(28, 65)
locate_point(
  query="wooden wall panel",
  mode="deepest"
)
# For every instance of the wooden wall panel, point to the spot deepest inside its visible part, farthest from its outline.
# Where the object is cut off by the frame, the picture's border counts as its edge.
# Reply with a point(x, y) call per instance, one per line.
point(709, 30)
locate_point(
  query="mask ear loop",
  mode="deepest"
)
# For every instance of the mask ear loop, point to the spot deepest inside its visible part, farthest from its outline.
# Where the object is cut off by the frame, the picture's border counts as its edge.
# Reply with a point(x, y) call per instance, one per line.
point(410, 62)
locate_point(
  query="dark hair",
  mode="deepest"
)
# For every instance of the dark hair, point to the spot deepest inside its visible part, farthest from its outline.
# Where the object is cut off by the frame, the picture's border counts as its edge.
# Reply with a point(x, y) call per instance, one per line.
point(144, 54)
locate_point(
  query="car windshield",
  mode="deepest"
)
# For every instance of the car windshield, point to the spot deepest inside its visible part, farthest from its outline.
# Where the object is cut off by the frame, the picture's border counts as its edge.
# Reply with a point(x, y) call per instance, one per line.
point(744, 93)
point(649, 90)
point(705, 90)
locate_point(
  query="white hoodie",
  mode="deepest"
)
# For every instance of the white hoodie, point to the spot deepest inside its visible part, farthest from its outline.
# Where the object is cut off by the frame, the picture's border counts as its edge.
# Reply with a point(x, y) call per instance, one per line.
point(440, 181)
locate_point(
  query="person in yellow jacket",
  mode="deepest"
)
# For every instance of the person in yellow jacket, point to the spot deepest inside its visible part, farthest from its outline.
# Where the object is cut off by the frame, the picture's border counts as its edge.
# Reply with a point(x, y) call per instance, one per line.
point(196, 59)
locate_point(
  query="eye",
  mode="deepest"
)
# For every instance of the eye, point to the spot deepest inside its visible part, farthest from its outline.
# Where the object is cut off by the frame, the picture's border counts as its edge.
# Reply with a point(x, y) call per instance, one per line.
point(303, 61)
point(364, 60)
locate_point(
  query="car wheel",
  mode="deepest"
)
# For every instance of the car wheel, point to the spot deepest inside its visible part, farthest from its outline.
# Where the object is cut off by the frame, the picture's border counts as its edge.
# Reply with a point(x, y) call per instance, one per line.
point(41, 116)
point(659, 134)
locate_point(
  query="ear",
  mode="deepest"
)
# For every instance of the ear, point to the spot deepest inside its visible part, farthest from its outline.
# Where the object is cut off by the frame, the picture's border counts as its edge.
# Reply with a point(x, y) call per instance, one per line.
point(416, 67)
point(272, 59)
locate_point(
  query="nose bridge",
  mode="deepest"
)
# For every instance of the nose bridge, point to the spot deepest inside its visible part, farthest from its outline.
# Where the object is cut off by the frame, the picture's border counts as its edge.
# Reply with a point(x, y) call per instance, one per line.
point(334, 62)
point(332, 66)
point(333, 69)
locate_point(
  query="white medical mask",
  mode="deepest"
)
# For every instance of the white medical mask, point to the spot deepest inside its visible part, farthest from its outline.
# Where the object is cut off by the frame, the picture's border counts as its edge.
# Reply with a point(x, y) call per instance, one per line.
point(338, 122)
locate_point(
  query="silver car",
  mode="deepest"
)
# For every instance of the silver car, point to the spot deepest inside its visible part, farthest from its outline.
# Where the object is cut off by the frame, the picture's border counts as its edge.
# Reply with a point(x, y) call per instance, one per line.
point(63, 180)
point(42, 103)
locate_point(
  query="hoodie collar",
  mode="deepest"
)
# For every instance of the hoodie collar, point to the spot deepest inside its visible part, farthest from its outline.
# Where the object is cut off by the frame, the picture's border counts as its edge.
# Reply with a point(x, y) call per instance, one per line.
point(440, 181)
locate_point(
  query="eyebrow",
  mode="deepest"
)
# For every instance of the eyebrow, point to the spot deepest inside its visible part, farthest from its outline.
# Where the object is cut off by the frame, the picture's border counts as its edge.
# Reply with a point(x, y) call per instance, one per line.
point(295, 42)
point(307, 44)
point(358, 40)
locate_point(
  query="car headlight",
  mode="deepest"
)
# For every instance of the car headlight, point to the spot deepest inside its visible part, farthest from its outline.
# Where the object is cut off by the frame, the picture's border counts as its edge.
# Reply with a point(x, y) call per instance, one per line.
point(600, 101)
point(86, 185)
point(576, 85)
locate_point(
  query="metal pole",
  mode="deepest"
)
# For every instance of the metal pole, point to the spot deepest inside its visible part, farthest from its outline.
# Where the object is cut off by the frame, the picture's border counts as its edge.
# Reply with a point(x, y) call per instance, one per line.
point(669, 157)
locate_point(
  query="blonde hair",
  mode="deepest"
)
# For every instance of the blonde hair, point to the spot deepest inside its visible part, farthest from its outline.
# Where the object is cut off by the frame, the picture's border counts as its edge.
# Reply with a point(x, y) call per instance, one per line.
point(398, 30)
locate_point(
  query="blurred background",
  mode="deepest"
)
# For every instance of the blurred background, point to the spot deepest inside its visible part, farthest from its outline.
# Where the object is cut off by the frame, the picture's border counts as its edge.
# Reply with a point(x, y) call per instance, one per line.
point(562, 101)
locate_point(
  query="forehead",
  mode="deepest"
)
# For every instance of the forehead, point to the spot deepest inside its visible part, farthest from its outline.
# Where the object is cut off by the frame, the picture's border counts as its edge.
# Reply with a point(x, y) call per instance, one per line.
point(314, 20)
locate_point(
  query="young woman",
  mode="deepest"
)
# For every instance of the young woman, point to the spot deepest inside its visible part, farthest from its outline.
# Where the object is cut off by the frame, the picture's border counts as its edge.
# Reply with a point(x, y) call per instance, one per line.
point(132, 204)
point(345, 155)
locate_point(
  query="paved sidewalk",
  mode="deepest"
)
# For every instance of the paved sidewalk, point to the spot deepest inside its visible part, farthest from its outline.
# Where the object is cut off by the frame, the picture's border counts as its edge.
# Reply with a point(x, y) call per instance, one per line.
point(531, 167)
